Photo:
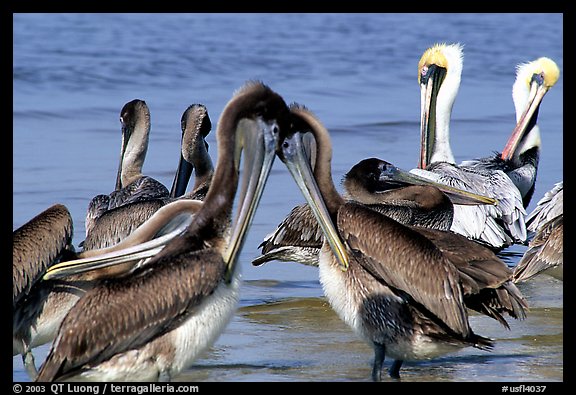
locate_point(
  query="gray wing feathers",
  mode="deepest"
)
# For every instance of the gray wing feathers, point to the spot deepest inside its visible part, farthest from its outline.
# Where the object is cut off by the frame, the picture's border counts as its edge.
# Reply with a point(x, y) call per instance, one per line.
point(549, 207)
point(300, 228)
point(545, 251)
point(498, 226)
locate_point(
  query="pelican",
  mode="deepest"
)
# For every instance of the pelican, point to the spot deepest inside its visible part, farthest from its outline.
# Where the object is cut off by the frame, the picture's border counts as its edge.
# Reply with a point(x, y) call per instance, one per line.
point(393, 286)
point(546, 248)
point(111, 226)
point(520, 157)
point(500, 226)
point(42, 241)
point(153, 323)
point(131, 184)
point(378, 184)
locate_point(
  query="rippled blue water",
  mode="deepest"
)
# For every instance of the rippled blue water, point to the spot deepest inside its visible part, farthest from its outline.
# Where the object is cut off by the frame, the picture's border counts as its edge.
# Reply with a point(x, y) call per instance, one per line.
point(357, 72)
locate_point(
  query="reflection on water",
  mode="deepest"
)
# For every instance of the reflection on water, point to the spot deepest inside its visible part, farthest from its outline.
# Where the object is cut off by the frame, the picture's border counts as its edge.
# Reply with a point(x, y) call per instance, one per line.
point(73, 72)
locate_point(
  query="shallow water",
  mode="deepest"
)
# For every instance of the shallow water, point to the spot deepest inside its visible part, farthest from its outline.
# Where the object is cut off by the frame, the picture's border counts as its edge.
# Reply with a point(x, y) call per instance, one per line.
point(357, 72)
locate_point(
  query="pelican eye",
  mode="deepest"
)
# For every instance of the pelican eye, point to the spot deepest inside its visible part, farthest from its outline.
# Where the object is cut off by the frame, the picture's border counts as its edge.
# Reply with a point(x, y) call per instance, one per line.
point(285, 144)
point(538, 78)
point(424, 70)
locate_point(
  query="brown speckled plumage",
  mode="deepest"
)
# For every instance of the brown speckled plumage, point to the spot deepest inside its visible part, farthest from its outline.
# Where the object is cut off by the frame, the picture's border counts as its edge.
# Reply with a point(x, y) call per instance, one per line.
point(37, 244)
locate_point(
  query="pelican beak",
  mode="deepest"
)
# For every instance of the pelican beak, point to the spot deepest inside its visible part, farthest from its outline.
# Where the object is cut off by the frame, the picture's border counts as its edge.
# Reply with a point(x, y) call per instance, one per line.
point(457, 196)
point(293, 154)
point(182, 177)
point(425, 133)
point(527, 119)
point(134, 251)
point(129, 259)
point(429, 87)
point(257, 139)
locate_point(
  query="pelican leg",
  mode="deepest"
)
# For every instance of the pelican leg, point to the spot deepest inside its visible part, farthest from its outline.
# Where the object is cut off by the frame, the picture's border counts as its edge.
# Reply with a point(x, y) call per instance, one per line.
point(379, 354)
point(29, 364)
point(394, 370)
point(164, 377)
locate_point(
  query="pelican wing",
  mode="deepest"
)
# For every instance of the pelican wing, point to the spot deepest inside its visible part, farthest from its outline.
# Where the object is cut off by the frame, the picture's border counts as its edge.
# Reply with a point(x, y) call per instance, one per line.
point(549, 207)
point(115, 225)
point(486, 280)
point(117, 316)
point(299, 228)
point(496, 226)
point(297, 238)
point(144, 188)
point(38, 244)
point(405, 261)
point(97, 206)
point(545, 250)
point(469, 257)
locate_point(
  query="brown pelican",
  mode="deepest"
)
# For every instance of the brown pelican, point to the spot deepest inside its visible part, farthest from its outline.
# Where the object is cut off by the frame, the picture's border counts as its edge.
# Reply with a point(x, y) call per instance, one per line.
point(41, 303)
point(152, 323)
point(499, 226)
point(379, 185)
point(520, 157)
point(39, 246)
point(42, 241)
point(131, 184)
point(546, 248)
point(397, 290)
point(113, 225)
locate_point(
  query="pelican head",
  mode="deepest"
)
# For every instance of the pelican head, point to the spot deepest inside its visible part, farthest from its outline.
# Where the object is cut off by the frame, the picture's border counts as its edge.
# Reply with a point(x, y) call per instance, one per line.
point(533, 80)
point(257, 137)
point(293, 149)
point(377, 176)
point(194, 155)
point(439, 72)
point(135, 121)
